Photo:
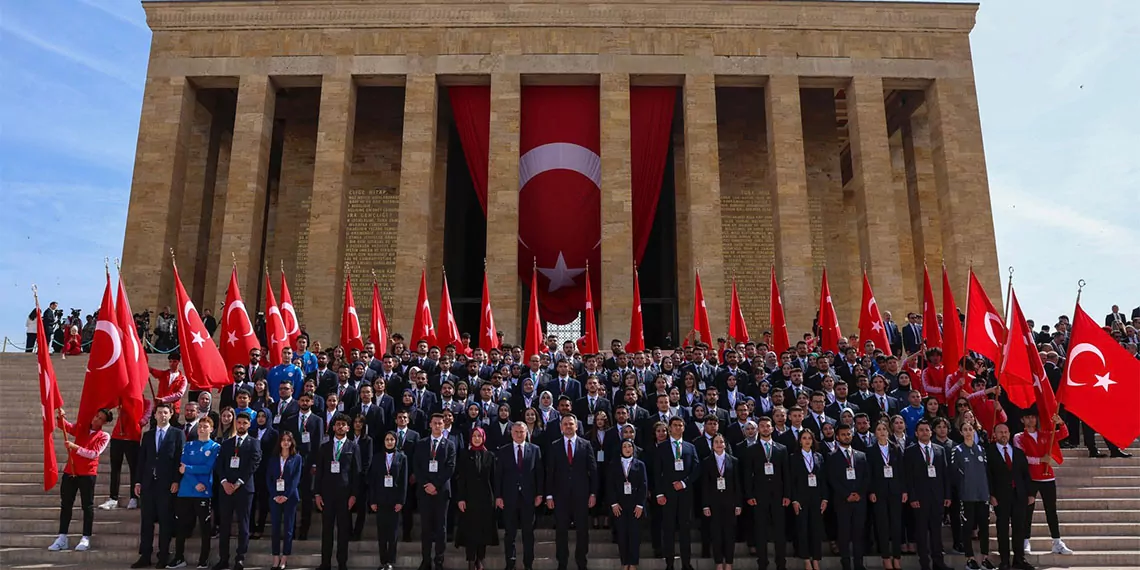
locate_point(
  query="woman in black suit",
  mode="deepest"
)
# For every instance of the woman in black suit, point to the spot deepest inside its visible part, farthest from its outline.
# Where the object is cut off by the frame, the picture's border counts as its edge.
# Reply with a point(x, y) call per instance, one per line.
point(809, 499)
point(387, 494)
point(499, 432)
point(721, 500)
point(660, 434)
point(887, 496)
point(283, 476)
point(597, 434)
point(364, 442)
point(626, 490)
point(475, 499)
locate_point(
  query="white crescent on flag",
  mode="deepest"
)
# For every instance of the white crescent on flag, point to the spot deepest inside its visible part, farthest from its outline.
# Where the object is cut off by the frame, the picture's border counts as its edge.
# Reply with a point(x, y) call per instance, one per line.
point(989, 328)
point(288, 308)
point(560, 156)
point(1077, 351)
point(245, 317)
point(116, 342)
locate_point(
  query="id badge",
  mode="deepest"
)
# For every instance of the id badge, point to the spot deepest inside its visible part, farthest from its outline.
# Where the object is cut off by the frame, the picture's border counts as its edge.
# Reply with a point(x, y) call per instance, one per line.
point(811, 480)
point(235, 462)
point(720, 486)
point(305, 437)
point(389, 482)
point(628, 488)
point(678, 465)
point(276, 420)
point(280, 485)
point(601, 456)
point(769, 469)
point(334, 467)
point(433, 466)
point(850, 473)
point(888, 472)
point(590, 419)
point(340, 407)
point(931, 471)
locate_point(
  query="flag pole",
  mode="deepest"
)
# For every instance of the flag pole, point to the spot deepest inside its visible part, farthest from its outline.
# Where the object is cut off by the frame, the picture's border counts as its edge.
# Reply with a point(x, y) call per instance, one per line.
point(55, 420)
point(119, 268)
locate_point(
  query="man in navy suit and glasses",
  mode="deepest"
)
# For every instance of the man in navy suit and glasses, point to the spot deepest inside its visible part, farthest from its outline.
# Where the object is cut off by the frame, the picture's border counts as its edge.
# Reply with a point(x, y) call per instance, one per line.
point(433, 465)
point(678, 468)
point(572, 489)
point(518, 491)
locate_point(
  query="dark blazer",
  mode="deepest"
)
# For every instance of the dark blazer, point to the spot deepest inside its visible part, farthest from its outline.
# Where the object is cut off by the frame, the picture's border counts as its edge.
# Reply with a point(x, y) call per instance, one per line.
point(838, 482)
point(292, 476)
point(411, 438)
point(315, 426)
point(229, 393)
point(581, 409)
point(325, 380)
point(571, 482)
point(615, 485)
point(1007, 484)
point(704, 448)
point(667, 474)
point(249, 457)
point(497, 436)
point(912, 337)
point(514, 484)
point(790, 439)
point(834, 410)
point(444, 455)
point(338, 485)
point(894, 337)
point(518, 403)
point(348, 400)
point(807, 497)
point(428, 402)
point(875, 410)
point(881, 486)
point(760, 486)
point(376, 420)
point(268, 438)
point(811, 423)
point(397, 494)
point(256, 374)
point(574, 389)
point(163, 463)
point(920, 487)
point(730, 497)
point(285, 413)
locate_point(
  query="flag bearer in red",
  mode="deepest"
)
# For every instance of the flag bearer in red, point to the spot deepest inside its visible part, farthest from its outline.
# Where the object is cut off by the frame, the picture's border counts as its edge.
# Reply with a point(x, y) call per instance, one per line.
point(1038, 447)
point(933, 379)
point(172, 385)
point(125, 439)
point(84, 446)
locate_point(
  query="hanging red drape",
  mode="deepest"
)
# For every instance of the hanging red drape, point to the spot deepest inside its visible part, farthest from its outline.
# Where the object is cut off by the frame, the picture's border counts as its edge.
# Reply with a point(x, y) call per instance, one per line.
point(650, 122)
point(471, 106)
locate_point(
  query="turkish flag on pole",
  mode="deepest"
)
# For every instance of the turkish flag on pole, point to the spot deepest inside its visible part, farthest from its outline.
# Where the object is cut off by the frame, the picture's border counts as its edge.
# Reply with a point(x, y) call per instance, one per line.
point(448, 330)
point(985, 329)
point(350, 336)
point(133, 403)
point(50, 400)
point(1046, 403)
point(488, 334)
point(871, 321)
point(931, 334)
point(422, 327)
point(378, 327)
point(952, 341)
point(829, 332)
point(532, 344)
point(700, 315)
point(1094, 385)
point(1016, 376)
point(636, 327)
point(288, 313)
point(737, 328)
point(106, 377)
point(237, 338)
point(205, 368)
point(588, 344)
point(275, 333)
point(780, 342)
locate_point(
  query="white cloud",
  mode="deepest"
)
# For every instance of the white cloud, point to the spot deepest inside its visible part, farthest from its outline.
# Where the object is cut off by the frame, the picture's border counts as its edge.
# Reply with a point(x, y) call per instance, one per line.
point(98, 65)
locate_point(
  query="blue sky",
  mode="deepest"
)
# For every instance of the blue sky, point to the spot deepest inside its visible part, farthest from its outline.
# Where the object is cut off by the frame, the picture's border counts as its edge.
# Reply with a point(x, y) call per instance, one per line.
point(1054, 87)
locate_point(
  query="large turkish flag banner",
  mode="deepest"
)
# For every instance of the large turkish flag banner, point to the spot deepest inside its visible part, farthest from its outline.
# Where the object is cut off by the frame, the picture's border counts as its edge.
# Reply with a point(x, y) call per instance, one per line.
point(1102, 386)
point(560, 176)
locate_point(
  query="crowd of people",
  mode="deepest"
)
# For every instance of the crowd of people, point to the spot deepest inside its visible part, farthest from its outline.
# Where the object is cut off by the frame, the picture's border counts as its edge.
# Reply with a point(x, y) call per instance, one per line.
point(855, 451)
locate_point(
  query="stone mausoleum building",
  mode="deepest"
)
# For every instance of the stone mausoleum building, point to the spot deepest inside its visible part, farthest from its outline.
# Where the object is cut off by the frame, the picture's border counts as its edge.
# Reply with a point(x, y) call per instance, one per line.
point(325, 136)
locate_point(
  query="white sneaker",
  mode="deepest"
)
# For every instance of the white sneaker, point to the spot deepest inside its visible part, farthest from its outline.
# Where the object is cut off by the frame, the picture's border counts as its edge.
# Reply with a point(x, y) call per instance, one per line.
point(1027, 550)
point(133, 504)
point(59, 544)
point(1060, 548)
point(84, 544)
point(109, 504)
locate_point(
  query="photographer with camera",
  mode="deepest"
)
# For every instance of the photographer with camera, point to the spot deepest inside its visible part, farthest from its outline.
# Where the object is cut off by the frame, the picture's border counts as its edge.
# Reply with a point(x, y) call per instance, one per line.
point(88, 331)
point(165, 331)
point(52, 316)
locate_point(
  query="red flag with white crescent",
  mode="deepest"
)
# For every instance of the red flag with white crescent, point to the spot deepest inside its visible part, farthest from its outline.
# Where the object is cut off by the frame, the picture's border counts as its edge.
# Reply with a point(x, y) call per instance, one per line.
point(448, 330)
point(133, 403)
point(737, 328)
point(952, 340)
point(1016, 376)
point(636, 327)
point(828, 321)
point(871, 321)
point(1103, 378)
point(985, 328)
point(350, 336)
point(50, 400)
point(931, 334)
point(700, 315)
point(106, 376)
point(378, 323)
point(238, 338)
point(532, 344)
point(205, 368)
point(780, 341)
point(588, 344)
point(275, 334)
point(422, 327)
point(288, 313)
point(488, 334)
point(559, 179)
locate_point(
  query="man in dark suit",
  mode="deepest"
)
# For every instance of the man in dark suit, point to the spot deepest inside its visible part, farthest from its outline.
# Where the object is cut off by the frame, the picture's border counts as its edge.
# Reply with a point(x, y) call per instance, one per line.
point(563, 383)
point(255, 371)
point(433, 466)
point(229, 393)
point(928, 490)
point(375, 417)
point(677, 468)
point(323, 375)
point(406, 441)
point(237, 463)
point(1007, 470)
point(767, 490)
point(849, 478)
point(912, 334)
point(518, 491)
point(1115, 317)
point(894, 337)
point(337, 479)
point(571, 490)
point(593, 402)
point(815, 416)
point(307, 428)
point(160, 455)
point(424, 398)
point(345, 393)
point(842, 402)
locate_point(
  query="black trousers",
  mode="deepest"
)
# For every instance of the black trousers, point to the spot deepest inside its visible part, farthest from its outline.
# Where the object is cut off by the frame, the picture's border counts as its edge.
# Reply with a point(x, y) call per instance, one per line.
point(410, 508)
point(360, 509)
point(30, 342)
point(722, 526)
point(120, 449)
point(628, 538)
point(887, 512)
point(387, 522)
point(191, 512)
point(809, 532)
point(336, 517)
point(677, 516)
point(306, 489)
point(433, 526)
point(519, 516)
point(69, 485)
point(1011, 515)
point(157, 508)
point(769, 519)
point(849, 521)
point(977, 515)
point(928, 533)
point(1048, 492)
point(233, 508)
point(954, 513)
point(655, 518)
point(260, 511)
point(567, 511)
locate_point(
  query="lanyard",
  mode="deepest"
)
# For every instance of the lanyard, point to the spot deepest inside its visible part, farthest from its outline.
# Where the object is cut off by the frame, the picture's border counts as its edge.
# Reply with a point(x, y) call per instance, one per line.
point(677, 450)
point(926, 454)
point(282, 461)
point(626, 467)
point(336, 452)
point(809, 461)
point(886, 455)
point(720, 464)
point(847, 456)
point(388, 462)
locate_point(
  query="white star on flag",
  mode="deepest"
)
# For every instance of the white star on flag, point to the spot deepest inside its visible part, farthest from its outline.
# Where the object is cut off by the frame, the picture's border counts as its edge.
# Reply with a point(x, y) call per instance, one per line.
point(560, 276)
point(1103, 381)
point(232, 338)
point(876, 326)
point(198, 340)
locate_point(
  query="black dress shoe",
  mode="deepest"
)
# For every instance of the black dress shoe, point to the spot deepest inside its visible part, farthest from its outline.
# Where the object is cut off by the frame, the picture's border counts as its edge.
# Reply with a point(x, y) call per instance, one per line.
point(987, 564)
point(162, 561)
point(1024, 565)
point(1096, 454)
point(1120, 454)
point(142, 562)
point(222, 565)
point(239, 565)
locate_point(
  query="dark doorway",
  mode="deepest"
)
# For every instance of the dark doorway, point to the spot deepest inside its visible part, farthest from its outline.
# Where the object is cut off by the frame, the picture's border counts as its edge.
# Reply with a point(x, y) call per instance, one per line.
point(464, 238)
point(658, 269)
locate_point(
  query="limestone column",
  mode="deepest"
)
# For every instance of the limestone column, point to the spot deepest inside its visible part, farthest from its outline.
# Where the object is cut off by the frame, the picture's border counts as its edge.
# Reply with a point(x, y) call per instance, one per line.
point(244, 223)
point(910, 257)
point(706, 245)
point(503, 205)
point(417, 164)
point(966, 219)
point(617, 207)
point(787, 180)
point(154, 213)
point(921, 188)
point(875, 197)
point(324, 253)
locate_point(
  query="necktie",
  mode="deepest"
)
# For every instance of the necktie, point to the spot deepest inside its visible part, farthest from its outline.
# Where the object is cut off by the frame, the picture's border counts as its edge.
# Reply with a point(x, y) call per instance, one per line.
point(1008, 460)
point(883, 403)
point(158, 440)
point(519, 457)
point(240, 440)
point(336, 455)
point(570, 451)
point(364, 409)
point(400, 439)
point(677, 447)
point(563, 390)
point(434, 444)
point(767, 449)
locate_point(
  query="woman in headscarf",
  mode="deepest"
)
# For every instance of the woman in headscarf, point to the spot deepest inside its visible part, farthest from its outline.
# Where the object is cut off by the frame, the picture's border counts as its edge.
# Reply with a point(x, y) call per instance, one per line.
point(357, 378)
point(546, 410)
point(387, 495)
point(475, 498)
point(416, 419)
point(500, 429)
point(626, 493)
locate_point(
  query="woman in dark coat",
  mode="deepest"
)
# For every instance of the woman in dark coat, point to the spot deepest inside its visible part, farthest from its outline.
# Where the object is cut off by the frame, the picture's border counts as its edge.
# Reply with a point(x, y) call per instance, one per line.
point(809, 499)
point(885, 460)
point(475, 498)
point(387, 495)
point(721, 500)
point(627, 507)
point(499, 432)
point(364, 442)
point(597, 434)
point(648, 456)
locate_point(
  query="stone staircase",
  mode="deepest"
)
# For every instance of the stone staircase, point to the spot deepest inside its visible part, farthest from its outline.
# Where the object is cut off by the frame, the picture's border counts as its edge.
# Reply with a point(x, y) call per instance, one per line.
point(1099, 506)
